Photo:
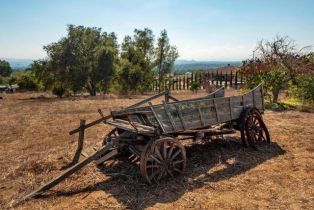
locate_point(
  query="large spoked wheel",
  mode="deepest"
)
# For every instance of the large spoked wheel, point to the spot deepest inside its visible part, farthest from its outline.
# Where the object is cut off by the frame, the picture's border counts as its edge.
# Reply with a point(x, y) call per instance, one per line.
point(162, 158)
point(255, 129)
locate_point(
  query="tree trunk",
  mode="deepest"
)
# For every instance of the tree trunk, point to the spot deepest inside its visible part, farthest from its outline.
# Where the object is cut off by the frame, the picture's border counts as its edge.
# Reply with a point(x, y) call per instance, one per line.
point(275, 93)
point(92, 89)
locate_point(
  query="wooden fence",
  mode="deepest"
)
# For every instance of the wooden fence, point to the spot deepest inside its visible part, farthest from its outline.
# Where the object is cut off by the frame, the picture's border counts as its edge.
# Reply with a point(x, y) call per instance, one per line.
point(204, 78)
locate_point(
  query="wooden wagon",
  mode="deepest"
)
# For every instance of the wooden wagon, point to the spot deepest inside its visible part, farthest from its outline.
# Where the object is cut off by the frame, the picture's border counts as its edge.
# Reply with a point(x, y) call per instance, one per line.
point(153, 133)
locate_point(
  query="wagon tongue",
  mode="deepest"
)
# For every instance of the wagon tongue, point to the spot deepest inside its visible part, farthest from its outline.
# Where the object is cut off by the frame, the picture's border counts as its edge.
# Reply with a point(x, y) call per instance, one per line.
point(96, 155)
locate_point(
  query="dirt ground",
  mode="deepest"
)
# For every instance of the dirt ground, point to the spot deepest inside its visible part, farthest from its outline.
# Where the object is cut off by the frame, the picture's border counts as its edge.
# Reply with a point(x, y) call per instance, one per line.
point(35, 145)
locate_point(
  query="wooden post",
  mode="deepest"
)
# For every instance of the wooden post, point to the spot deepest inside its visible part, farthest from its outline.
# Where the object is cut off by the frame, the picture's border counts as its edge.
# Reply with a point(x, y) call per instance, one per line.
point(177, 83)
point(80, 144)
point(192, 78)
point(220, 79)
point(212, 77)
point(184, 82)
point(226, 80)
point(231, 79)
point(236, 81)
point(180, 83)
point(216, 78)
point(167, 96)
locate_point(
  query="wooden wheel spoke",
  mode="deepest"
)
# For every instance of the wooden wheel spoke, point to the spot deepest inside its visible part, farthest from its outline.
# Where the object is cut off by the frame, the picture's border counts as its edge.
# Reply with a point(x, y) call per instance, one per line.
point(160, 175)
point(177, 170)
point(155, 159)
point(154, 174)
point(177, 162)
point(158, 153)
point(165, 150)
point(170, 151)
point(175, 155)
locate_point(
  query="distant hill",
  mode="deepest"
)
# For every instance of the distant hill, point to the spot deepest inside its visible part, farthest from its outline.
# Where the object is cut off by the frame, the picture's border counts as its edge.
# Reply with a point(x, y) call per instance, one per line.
point(17, 63)
point(179, 65)
point(190, 65)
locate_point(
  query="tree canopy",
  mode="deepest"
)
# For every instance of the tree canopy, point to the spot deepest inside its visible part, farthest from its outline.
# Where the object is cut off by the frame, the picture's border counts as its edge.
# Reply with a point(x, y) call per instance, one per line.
point(89, 59)
point(5, 68)
point(81, 60)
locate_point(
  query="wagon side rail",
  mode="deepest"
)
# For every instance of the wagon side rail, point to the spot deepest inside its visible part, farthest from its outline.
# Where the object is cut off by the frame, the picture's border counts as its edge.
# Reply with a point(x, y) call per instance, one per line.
point(197, 114)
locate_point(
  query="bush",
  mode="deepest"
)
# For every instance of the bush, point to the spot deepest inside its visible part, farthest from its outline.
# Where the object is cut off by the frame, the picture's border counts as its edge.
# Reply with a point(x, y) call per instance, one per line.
point(58, 90)
point(195, 86)
point(303, 88)
point(25, 80)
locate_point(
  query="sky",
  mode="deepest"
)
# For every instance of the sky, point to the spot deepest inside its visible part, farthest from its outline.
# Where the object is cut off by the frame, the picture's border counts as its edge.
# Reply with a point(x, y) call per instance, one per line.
point(201, 29)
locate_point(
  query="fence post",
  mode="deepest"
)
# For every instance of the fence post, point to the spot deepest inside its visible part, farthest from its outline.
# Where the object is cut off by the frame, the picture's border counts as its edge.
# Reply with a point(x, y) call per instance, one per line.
point(212, 77)
point(236, 80)
point(220, 79)
point(226, 79)
point(231, 79)
point(216, 78)
point(184, 82)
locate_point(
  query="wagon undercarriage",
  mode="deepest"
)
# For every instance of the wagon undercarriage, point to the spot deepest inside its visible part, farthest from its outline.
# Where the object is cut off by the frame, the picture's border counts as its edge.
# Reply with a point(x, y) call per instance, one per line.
point(153, 134)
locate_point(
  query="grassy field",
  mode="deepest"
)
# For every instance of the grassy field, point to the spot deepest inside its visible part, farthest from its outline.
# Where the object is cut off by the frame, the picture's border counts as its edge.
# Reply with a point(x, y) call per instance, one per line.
point(35, 145)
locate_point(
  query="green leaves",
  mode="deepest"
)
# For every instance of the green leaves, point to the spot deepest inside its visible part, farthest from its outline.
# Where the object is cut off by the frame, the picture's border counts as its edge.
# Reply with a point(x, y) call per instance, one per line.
point(5, 68)
point(82, 59)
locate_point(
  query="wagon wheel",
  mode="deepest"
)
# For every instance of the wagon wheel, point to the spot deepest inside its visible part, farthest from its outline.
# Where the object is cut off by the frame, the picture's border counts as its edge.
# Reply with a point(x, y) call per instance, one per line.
point(255, 129)
point(162, 158)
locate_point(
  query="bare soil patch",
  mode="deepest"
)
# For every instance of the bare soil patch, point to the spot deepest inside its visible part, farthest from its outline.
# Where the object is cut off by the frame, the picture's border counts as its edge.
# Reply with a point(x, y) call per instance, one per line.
point(35, 145)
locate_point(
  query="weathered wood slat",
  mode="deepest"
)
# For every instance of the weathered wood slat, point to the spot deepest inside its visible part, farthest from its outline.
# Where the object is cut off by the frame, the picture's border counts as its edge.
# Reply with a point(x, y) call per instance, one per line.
point(109, 155)
point(127, 126)
point(169, 116)
point(180, 116)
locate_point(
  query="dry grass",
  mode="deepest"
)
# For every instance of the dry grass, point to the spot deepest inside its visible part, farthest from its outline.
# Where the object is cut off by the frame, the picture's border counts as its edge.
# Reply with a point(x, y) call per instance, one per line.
point(34, 145)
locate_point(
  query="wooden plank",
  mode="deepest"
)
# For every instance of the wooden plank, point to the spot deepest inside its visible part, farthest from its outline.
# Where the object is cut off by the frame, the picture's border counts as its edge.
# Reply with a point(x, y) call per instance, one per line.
point(156, 117)
point(146, 127)
point(107, 156)
point(180, 116)
point(200, 115)
point(67, 173)
point(172, 98)
point(169, 116)
point(230, 107)
point(125, 125)
point(215, 105)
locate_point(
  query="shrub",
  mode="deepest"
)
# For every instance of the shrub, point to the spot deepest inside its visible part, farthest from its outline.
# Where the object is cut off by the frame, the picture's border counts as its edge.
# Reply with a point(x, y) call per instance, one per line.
point(303, 88)
point(58, 90)
point(24, 79)
point(195, 86)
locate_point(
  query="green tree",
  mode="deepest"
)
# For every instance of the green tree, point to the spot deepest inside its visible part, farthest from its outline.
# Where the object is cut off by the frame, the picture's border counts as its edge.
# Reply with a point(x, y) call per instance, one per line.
point(135, 72)
point(5, 68)
point(82, 59)
point(165, 55)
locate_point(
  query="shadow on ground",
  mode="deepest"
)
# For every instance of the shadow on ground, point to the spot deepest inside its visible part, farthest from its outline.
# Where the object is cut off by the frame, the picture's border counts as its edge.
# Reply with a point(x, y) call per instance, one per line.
point(128, 187)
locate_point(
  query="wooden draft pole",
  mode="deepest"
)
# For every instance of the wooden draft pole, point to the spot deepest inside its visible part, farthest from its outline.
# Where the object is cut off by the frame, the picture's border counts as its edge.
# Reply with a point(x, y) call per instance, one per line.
point(67, 173)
